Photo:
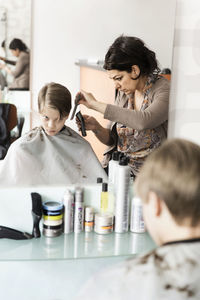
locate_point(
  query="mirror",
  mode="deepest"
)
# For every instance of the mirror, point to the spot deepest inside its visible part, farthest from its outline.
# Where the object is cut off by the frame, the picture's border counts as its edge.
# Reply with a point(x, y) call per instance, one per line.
point(15, 18)
point(15, 22)
point(71, 31)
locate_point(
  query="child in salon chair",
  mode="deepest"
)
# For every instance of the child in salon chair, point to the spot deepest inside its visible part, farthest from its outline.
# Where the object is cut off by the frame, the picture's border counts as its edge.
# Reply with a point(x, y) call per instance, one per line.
point(53, 153)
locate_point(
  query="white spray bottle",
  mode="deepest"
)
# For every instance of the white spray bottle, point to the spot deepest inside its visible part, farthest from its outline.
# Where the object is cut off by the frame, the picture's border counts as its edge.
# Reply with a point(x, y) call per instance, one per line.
point(122, 196)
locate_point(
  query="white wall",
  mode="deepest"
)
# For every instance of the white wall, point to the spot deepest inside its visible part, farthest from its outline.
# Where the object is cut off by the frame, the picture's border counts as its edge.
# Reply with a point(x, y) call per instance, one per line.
point(64, 31)
point(18, 22)
point(184, 112)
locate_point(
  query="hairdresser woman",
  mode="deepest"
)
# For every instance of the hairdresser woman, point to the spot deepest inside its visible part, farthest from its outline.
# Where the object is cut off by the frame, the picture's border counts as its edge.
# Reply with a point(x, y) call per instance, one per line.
point(139, 116)
point(21, 70)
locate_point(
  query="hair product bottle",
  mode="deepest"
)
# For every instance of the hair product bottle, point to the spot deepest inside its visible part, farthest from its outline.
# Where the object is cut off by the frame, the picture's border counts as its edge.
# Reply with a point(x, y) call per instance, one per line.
point(68, 201)
point(122, 196)
point(104, 197)
point(79, 210)
point(136, 222)
point(52, 218)
point(112, 166)
point(89, 219)
point(103, 223)
point(113, 163)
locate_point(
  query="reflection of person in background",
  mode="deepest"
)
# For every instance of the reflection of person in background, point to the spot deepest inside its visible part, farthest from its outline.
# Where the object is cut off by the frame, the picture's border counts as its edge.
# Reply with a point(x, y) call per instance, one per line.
point(21, 70)
point(141, 111)
point(169, 186)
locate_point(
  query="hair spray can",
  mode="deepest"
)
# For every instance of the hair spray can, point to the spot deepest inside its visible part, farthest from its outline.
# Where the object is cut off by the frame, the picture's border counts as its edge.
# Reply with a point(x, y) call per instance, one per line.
point(136, 222)
point(113, 163)
point(79, 210)
point(122, 196)
point(68, 201)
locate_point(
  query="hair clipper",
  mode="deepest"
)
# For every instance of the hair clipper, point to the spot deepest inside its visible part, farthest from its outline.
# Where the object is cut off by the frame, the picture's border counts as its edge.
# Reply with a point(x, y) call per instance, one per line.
point(80, 118)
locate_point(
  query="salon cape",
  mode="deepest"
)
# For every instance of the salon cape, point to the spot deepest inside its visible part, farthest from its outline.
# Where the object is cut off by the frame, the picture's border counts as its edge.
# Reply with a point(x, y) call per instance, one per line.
point(39, 159)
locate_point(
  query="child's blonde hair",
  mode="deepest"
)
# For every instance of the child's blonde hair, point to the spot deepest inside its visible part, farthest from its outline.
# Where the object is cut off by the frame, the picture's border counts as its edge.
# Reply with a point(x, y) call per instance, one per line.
point(173, 173)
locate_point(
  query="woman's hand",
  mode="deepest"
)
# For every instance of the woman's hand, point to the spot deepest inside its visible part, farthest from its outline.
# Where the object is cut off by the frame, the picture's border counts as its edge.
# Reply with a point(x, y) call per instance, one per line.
point(89, 101)
point(86, 99)
point(90, 123)
point(103, 134)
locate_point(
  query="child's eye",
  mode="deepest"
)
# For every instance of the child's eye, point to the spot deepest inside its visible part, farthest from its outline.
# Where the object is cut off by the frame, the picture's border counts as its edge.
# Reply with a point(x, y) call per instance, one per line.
point(45, 117)
point(118, 78)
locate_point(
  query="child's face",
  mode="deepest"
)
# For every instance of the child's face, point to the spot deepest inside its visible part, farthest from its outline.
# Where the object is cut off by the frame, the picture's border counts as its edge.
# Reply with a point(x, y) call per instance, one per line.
point(51, 121)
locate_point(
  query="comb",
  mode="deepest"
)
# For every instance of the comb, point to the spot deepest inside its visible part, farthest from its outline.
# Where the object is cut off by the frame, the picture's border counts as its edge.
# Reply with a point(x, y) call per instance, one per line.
point(78, 97)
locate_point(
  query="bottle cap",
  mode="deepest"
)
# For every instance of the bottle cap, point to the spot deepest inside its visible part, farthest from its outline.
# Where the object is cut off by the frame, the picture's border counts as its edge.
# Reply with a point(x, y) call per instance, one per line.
point(104, 217)
point(78, 194)
point(115, 155)
point(99, 180)
point(121, 155)
point(89, 211)
point(124, 161)
point(67, 193)
point(52, 205)
point(104, 187)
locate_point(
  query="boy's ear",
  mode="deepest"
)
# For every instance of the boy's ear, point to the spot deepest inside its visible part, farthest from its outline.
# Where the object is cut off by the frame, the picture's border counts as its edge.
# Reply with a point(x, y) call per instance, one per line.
point(156, 203)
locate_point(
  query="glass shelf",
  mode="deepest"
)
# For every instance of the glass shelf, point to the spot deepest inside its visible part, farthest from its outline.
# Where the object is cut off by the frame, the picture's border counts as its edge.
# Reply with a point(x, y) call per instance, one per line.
point(76, 246)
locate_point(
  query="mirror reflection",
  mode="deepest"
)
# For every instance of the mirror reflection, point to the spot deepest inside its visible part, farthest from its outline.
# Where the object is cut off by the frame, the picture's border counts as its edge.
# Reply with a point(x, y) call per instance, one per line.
point(15, 41)
point(15, 44)
point(41, 74)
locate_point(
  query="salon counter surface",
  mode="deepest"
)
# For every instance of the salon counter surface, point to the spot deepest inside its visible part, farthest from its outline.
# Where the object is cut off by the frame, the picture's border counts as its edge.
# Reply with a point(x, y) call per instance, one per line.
point(56, 268)
point(72, 246)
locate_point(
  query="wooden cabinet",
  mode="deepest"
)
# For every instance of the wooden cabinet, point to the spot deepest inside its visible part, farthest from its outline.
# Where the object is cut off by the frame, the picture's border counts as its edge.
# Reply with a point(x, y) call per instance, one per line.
point(102, 87)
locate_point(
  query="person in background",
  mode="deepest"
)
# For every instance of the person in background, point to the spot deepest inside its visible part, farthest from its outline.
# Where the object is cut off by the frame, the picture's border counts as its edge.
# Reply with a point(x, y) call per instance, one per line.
point(139, 116)
point(52, 153)
point(3, 81)
point(22, 66)
point(169, 187)
point(7, 61)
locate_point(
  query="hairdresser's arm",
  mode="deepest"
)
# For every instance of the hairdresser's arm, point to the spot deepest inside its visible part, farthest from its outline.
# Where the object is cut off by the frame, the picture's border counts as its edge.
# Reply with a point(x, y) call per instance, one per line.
point(153, 116)
point(103, 134)
point(89, 101)
point(7, 61)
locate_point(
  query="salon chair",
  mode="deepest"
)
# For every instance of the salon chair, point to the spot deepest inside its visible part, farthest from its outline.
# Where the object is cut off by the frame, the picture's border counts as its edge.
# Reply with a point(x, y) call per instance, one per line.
point(8, 121)
point(166, 73)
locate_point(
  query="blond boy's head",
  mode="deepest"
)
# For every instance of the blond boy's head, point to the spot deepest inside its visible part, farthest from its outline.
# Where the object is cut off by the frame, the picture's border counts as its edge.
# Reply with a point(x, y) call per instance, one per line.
point(172, 172)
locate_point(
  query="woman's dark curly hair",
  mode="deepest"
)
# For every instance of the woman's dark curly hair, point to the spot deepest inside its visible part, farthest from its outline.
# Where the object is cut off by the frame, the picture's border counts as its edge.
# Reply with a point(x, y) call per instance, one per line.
point(18, 44)
point(127, 51)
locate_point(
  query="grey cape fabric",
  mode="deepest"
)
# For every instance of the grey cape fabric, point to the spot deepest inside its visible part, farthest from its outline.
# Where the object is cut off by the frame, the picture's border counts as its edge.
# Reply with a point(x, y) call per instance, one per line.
point(39, 159)
point(171, 272)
